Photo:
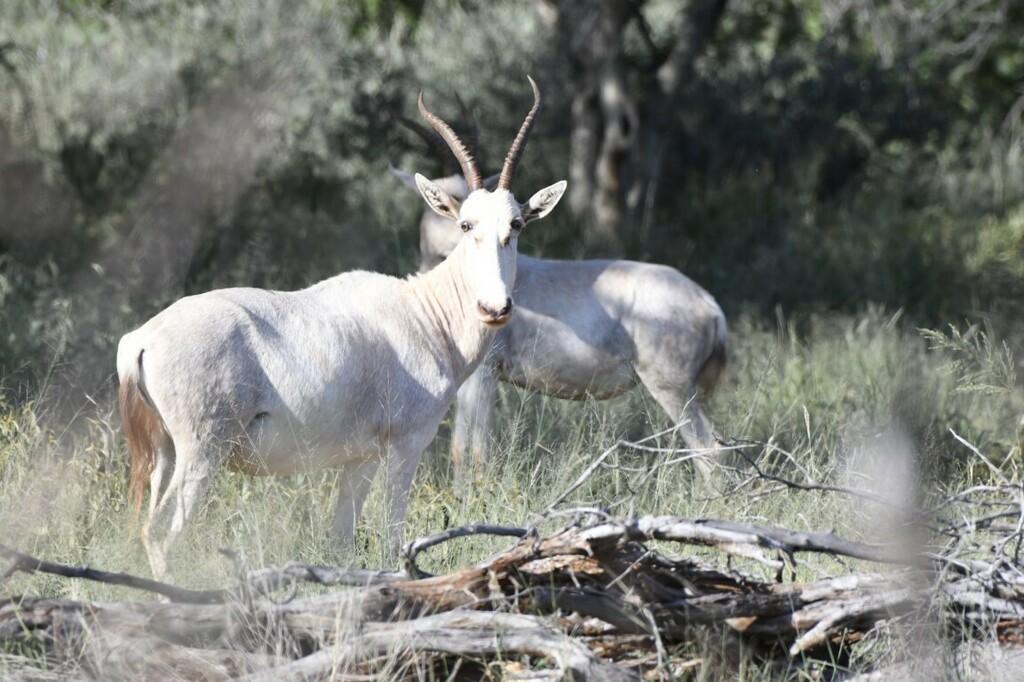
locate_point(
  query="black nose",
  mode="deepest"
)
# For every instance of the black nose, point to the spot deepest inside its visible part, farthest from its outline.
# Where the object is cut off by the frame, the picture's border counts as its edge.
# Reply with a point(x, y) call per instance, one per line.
point(487, 311)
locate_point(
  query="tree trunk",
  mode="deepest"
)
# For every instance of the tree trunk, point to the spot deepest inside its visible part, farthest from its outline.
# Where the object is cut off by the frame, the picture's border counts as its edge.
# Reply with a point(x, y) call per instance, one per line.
point(622, 121)
point(665, 98)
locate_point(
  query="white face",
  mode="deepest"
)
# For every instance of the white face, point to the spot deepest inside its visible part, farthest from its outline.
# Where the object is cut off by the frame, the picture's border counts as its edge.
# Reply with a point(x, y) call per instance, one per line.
point(490, 223)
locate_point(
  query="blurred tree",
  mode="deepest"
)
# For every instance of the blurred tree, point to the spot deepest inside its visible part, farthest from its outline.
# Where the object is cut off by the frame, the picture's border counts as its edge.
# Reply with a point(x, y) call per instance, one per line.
point(809, 153)
point(623, 103)
point(384, 14)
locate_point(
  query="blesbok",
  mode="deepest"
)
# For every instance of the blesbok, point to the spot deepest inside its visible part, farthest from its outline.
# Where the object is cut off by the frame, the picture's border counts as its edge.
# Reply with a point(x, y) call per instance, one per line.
point(358, 368)
point(586, 328)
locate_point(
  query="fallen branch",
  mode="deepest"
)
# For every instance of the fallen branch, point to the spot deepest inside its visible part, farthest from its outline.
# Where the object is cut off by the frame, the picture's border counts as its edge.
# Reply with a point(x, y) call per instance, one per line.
point(414, 548)
point(518, 605)
point(24, 563)
point(257, 582)
point(599, 577)
point(459, 634)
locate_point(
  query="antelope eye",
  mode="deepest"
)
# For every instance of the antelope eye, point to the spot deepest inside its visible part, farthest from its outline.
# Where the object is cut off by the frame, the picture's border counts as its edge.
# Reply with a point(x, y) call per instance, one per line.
point(465, 226)
point(517, 224)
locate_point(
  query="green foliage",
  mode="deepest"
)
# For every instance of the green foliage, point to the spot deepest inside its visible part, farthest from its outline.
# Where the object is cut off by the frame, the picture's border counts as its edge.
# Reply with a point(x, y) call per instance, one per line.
point(979, 365)
point(984, 373)
point(35, 327)
point(823, 159)
point(829, 158)
point(385, 14)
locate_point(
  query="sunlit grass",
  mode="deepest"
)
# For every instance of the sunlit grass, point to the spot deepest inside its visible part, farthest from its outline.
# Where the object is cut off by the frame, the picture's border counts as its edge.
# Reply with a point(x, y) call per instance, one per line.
point(862, 401)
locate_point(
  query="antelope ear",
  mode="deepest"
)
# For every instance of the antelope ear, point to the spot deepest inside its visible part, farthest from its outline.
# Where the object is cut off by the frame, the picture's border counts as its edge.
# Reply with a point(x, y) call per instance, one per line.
point(437, 199)
point(406, 179)
point(541, 203)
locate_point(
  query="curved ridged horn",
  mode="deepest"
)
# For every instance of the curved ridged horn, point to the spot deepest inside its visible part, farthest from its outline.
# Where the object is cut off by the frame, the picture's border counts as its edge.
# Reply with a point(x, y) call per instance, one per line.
point(449, 165)
point(472, 132)
point(512, 160)
point(462, 154)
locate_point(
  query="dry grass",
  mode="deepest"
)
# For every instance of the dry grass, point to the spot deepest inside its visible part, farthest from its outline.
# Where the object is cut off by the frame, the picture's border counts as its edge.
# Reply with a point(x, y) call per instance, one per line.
point(856, 401)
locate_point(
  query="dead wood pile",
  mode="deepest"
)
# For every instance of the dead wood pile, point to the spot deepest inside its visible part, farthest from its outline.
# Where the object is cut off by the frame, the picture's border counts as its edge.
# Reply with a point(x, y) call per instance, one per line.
point(596, 600)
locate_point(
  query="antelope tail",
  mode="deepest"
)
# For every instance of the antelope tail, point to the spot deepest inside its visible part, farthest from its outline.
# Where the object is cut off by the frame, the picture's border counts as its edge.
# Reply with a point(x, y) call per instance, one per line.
point(713, 370)
point(142, 427)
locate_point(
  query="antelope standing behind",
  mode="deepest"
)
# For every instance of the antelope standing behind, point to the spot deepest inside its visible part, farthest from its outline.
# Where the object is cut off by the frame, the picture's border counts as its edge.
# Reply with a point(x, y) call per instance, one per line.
point(590, 327)
point(351, 371)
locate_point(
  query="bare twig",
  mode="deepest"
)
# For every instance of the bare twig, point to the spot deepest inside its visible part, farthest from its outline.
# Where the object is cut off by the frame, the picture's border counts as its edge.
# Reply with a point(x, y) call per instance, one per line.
point(413, 548)
point(258, 582)
point(991, 467)
point(28, 564)
point(821, 487)
point(596, 464)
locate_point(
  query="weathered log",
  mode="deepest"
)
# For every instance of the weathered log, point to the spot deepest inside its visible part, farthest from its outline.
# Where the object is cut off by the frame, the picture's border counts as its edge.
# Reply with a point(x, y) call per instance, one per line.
point(594, 577)
point(455, 634)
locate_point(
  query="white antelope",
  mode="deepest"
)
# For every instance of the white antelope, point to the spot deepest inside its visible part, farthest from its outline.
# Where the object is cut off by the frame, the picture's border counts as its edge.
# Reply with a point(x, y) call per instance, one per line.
point(358, 368)
point(586, 328)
